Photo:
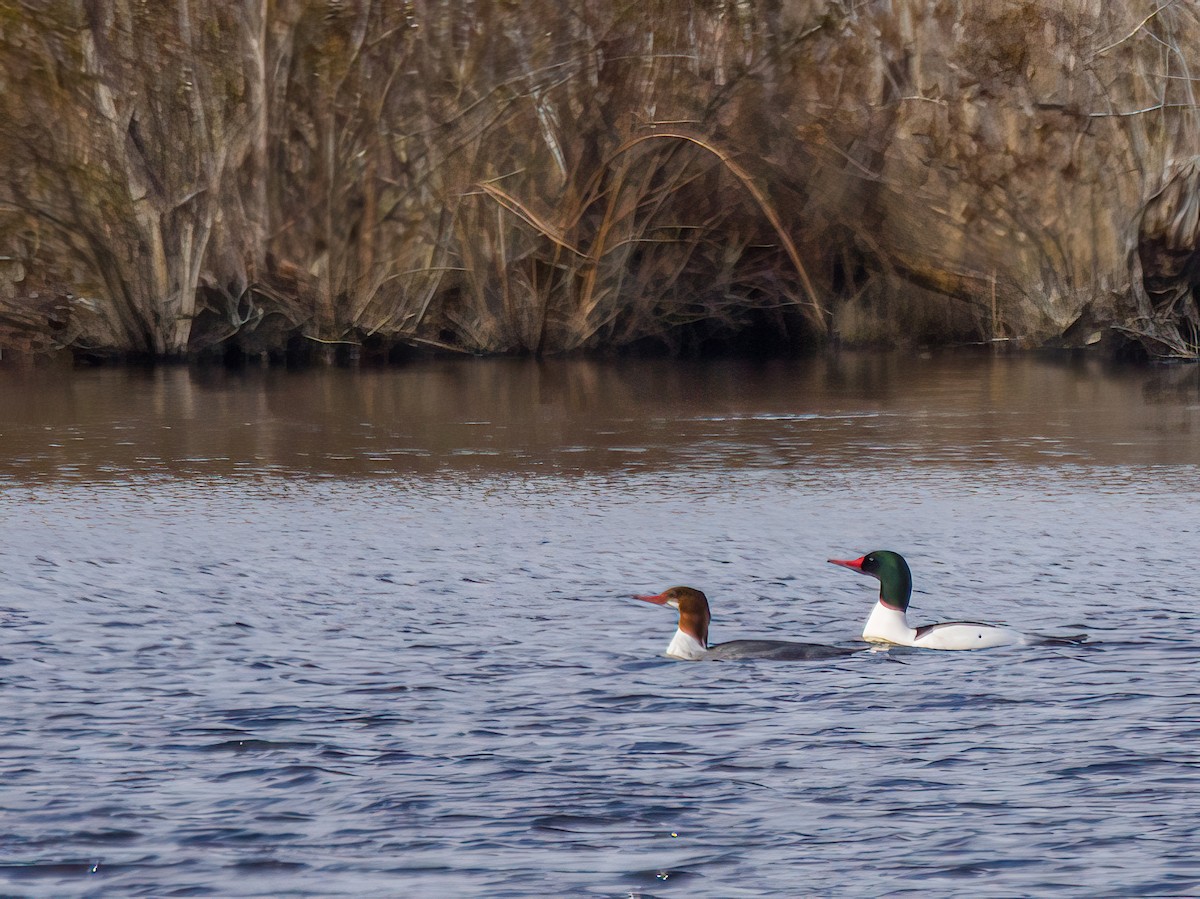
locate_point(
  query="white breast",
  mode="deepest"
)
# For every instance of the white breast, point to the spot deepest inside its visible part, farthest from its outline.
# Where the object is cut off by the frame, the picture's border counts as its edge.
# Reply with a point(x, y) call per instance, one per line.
point(685, 646)
point(888, 626)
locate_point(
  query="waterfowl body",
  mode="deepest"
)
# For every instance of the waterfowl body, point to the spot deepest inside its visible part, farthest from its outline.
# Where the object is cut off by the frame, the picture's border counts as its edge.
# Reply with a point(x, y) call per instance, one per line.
point(888, 621)
point(691, 636)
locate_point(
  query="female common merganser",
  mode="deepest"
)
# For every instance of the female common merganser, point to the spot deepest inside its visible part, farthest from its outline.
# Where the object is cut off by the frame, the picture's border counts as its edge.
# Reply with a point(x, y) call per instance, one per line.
point(691, 637)
point(888, 624)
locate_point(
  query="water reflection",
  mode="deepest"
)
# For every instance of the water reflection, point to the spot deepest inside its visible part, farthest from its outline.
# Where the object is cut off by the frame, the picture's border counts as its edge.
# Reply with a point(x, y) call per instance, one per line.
point(586, 415)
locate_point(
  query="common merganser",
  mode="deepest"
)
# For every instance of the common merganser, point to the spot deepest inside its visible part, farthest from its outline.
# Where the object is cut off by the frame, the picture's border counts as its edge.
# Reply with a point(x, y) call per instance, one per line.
point(887, 622)
point(691, 637)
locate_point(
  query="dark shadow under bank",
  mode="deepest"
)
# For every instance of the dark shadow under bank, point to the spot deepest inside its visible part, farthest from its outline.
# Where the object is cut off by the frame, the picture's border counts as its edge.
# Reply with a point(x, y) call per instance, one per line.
point(697, 342)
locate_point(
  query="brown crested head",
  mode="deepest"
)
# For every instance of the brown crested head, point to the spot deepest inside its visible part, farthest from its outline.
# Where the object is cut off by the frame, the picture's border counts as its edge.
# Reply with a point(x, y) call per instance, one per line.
point(693, 609)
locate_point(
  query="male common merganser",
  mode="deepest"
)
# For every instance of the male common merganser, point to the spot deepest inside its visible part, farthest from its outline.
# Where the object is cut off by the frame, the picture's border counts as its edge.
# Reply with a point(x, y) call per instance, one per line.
point(887, 622)
point(691, 637)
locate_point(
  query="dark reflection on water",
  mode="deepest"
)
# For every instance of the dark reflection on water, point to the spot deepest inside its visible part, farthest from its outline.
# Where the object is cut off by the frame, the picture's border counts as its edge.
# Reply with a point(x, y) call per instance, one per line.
point(232, 665)
point(515, 415)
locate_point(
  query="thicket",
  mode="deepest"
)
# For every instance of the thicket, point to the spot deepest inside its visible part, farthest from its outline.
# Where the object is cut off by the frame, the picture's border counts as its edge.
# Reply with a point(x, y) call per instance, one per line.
point(198, 176)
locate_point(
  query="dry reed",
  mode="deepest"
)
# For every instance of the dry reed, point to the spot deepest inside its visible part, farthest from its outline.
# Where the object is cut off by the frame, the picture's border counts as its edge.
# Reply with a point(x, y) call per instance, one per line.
point(192, 175)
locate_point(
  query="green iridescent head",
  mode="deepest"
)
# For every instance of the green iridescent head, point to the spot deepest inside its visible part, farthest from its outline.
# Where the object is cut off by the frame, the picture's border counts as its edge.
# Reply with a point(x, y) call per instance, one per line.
point(895, 580)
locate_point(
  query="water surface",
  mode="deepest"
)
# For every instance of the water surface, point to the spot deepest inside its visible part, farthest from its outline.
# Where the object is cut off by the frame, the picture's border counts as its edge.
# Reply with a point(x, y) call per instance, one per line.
point(326, 633)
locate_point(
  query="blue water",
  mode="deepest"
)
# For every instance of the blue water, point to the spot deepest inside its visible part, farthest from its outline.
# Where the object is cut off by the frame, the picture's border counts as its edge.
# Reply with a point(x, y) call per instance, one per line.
point(432, 682)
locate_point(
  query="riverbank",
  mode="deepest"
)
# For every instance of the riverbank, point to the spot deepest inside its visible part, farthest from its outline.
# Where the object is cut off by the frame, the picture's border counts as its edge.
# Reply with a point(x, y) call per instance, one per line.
point(207, 179)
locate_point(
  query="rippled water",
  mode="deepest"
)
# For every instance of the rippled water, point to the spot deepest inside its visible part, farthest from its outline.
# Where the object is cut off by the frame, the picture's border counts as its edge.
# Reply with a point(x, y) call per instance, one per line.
point(330, 633)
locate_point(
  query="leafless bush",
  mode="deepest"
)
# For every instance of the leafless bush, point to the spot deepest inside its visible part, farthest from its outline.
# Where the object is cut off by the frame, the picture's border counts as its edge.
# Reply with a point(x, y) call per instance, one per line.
point(543, 177)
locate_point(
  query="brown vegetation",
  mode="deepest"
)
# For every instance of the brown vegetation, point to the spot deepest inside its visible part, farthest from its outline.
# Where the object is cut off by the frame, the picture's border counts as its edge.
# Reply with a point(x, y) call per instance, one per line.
point(189, 176)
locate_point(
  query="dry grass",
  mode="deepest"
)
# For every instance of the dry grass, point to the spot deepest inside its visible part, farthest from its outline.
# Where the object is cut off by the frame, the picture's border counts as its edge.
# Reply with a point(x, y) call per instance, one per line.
point(545, 177)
